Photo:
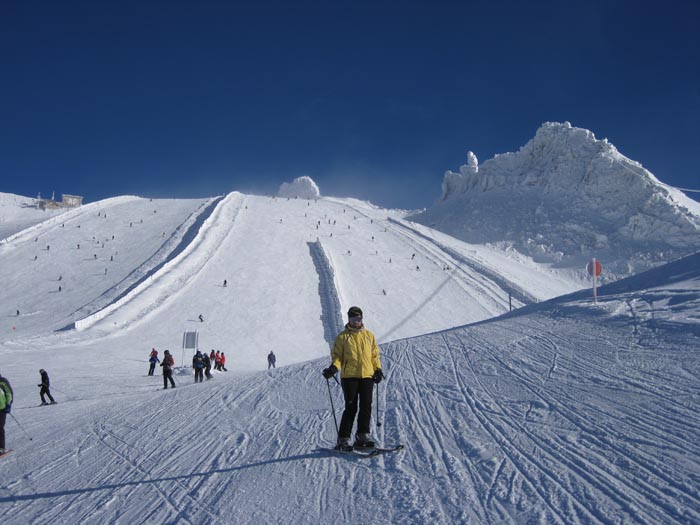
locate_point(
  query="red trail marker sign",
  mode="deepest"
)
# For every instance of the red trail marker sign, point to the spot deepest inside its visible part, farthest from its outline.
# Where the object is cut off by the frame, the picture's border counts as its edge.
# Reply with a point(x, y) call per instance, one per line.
point(594, 268)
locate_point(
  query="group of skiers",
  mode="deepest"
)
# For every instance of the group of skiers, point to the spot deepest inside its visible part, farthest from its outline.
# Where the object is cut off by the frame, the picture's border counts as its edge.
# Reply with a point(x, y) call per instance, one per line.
point(201, 364)
point(7, 397)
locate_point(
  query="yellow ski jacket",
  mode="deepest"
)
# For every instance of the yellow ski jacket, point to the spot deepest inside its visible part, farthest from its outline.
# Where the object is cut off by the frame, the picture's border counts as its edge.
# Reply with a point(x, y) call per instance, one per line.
point(355, 353)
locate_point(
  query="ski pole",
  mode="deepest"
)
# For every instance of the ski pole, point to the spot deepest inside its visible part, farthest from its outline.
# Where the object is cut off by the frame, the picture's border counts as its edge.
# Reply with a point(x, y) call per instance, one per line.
point(332, 406)
point(20, 426)
point(379, 423)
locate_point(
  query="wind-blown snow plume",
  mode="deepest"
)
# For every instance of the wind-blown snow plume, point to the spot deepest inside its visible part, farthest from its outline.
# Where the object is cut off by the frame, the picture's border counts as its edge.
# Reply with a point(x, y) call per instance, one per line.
point(302, 187)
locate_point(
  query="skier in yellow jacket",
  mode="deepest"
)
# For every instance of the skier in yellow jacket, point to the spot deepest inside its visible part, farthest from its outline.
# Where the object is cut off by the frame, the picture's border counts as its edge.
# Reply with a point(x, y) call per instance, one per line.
point(356, 354)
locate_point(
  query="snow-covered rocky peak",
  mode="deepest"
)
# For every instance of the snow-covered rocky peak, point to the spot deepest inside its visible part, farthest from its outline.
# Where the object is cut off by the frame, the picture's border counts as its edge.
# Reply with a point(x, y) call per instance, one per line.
point(564, 197)
point(455, 183)
point(301, 187)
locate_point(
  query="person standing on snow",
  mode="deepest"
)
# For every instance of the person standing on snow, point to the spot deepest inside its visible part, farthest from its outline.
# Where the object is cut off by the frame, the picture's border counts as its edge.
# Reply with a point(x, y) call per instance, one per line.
point(222, 366)
point(5, 408)
point(217, 361)
point(356, 353)
point(44, 385)
point(207, 365)
point(153, 359)
point(167, 364)
point(198, 365)
point(271, 360)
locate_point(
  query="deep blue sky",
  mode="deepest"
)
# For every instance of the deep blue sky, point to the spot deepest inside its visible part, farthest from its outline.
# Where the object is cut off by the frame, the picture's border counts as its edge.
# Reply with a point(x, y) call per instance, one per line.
point(372, 99)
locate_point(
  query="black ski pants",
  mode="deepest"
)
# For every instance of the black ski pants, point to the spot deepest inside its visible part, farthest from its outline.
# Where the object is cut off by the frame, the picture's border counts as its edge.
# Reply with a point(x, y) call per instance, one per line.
point(355, 389)
point(168, 374)
point(198, 375)
point(3, 416)
point(45, 390)
point(152, 368)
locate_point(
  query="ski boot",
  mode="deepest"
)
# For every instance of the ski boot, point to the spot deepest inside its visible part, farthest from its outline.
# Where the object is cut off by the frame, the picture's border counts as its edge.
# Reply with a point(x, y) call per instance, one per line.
point(363, 441)
point(343, 444)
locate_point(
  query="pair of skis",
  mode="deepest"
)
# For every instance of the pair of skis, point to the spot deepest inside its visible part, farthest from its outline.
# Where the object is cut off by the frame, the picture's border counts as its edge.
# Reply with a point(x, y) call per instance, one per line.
point(364, 452)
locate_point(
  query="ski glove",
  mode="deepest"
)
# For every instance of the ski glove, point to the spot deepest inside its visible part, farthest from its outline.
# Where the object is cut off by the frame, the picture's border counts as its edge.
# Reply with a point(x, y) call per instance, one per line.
point(8, 408)
point(378, 375)
point(330, 371)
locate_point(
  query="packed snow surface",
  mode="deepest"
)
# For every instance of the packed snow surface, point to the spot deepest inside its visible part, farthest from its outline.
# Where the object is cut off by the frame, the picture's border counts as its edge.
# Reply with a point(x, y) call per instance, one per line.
point(559, 412)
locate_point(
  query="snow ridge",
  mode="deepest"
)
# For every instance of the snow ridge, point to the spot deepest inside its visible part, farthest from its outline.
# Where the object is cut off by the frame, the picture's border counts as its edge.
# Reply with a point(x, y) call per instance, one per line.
point(331, 314)
point(163, 285)
point(174, 245)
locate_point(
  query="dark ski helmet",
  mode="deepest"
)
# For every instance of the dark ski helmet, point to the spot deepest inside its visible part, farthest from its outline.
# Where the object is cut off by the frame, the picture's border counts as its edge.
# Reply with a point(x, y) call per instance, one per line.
point(355, 311)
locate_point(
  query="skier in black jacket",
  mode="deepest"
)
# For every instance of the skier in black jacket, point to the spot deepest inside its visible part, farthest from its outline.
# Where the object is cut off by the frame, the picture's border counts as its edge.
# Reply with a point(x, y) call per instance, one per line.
point(198, 365)
point(44, 385)
point(167, 363)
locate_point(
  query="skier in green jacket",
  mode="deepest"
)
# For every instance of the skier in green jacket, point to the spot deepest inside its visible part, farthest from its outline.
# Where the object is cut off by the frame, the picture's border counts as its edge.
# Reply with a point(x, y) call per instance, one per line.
point(5, 408)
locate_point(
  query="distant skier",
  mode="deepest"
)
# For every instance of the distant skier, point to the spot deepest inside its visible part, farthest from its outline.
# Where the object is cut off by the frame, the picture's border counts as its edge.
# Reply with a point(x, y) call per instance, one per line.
point(17, 313)
point(355, 351)
point(5, 408)
point(198, 365)
point(222, 366)
point(225, 283)
point(201, 318)
point(217, 361)
point(271, 360)
point(44, 385)
point(153, 359)
point(167, 364)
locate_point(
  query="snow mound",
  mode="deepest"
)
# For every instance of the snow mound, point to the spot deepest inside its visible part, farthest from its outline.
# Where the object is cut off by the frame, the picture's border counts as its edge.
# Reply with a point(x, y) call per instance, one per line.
point(565, 197)
point(301, 187)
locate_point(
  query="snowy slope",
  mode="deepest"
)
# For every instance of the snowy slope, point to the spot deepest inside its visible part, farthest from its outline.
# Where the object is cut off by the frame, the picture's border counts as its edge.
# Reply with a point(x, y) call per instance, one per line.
point(18, 213)
point(560, 412)
point(406, 281)
point(93, 253)
point(565, 197)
